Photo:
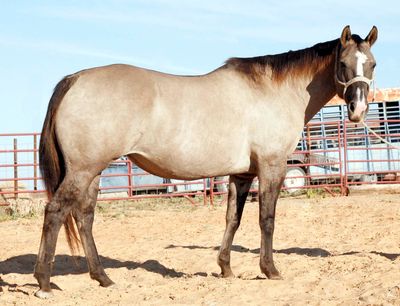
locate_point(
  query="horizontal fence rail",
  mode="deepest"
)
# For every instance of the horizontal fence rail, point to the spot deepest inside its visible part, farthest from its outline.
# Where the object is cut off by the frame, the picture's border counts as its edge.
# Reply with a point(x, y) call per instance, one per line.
point(331, 156)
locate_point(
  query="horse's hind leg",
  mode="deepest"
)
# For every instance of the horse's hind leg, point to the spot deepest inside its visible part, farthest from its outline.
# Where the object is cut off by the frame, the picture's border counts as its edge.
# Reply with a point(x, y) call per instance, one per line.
point(84, 215)
point(65, 198)
point(238, 191)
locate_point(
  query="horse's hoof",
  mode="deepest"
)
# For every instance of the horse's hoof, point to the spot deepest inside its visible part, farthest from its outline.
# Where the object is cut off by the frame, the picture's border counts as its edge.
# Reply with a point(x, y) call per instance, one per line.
point(106, 282)
point(44, 294)
point(114, 286)
point(227, 275)
point(272, 273)
point(276, 277)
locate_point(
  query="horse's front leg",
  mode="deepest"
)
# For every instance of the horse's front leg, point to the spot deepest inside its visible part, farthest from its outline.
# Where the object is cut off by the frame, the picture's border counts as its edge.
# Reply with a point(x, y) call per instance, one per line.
point(238, 191)
point(271, 177)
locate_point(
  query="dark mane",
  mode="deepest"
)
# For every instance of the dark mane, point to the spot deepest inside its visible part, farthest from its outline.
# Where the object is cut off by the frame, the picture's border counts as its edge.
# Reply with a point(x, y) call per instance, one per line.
point(293, 63)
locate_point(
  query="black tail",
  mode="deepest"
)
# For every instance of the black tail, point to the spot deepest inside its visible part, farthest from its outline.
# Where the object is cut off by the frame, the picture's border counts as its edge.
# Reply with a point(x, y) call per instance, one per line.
point(51, 159)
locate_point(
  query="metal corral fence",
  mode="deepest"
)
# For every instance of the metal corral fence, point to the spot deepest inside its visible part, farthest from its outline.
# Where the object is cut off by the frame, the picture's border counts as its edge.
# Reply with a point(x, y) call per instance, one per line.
point(333, 154)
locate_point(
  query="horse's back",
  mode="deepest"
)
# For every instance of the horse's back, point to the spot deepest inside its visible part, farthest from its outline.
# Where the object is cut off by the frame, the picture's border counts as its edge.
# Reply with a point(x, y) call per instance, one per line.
point(179, 124)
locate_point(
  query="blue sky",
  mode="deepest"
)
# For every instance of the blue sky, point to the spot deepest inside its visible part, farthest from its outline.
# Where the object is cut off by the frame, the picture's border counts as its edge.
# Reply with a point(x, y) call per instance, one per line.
point(41, 41)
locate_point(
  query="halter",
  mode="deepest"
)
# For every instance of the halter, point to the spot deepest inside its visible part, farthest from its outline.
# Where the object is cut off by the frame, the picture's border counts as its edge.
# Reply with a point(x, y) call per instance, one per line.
point(358, 78)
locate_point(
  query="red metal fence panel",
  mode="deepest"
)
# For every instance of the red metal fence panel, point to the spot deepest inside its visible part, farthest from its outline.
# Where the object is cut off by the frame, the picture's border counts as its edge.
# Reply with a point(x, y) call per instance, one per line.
point(332, 156)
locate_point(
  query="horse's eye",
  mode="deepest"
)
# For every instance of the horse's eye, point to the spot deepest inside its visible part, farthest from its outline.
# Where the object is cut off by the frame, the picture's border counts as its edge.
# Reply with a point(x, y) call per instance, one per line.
point(343, 65)
point(373, 65)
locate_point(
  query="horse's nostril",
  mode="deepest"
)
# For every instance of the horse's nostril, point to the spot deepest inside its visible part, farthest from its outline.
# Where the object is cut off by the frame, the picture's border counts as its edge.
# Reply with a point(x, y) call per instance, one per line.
point(352, 106)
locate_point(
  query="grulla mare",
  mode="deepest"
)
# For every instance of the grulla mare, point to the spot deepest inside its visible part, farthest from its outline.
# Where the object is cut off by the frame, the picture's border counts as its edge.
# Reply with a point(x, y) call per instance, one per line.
point(242, 120)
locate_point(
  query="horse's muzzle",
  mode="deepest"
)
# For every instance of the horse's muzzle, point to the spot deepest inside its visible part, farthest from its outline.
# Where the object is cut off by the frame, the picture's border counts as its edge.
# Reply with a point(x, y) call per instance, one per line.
point(357, 110)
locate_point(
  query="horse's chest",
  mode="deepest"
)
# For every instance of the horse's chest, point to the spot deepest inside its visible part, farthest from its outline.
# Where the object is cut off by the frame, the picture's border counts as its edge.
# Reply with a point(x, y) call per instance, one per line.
point(280, 139)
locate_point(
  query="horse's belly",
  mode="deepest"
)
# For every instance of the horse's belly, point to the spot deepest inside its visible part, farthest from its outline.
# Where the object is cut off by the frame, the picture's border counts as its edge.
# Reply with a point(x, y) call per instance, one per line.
point(194, 166)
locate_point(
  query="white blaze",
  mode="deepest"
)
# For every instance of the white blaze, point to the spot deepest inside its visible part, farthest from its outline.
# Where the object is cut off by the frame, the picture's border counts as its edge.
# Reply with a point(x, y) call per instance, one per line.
point(361, 59)
point(361, 103)
point(360, 95)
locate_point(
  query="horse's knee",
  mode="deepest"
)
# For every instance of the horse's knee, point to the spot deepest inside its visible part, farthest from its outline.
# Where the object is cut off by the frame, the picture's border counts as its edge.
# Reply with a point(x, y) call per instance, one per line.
point(267, 225)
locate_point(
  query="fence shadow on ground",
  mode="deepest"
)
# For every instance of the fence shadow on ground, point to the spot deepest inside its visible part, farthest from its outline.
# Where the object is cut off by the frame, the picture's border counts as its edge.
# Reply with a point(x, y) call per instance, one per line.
point(310, 252)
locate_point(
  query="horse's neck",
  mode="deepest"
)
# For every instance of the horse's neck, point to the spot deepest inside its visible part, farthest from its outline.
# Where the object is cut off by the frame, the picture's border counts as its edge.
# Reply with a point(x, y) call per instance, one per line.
point(320, 88)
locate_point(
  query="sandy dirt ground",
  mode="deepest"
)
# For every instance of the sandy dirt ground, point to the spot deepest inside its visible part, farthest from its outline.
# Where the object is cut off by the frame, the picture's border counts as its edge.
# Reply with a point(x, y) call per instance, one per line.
point(330, 251)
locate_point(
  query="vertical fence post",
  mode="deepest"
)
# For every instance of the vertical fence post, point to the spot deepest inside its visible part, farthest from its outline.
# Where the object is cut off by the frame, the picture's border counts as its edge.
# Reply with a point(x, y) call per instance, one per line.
point(130, 178)
point(308, 139)
point(344, 185)
point(35, 161)
point(15, 168)
point(205, 191)
point(339, 142)
point(307, 154)
point(212, 184)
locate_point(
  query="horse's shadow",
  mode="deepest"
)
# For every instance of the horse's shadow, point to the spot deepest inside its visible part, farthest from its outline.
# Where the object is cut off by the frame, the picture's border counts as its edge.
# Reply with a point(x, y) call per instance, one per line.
point(311, 252)
point(65, 264)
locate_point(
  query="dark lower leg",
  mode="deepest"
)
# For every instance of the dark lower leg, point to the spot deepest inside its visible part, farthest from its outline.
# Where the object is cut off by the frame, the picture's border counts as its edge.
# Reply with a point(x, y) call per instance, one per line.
point(267, 265)
point(84, 217)
point(44, 264)
point(269, 189)
point(238, 191)
point(84, 222)
point(55, 214)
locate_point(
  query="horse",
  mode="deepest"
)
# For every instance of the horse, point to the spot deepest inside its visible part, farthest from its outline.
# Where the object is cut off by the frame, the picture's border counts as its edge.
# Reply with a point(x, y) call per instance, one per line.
point(242, 119)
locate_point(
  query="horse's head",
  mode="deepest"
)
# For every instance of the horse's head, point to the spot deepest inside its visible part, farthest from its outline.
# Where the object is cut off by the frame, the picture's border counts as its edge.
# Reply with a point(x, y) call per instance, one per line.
point(354, 72)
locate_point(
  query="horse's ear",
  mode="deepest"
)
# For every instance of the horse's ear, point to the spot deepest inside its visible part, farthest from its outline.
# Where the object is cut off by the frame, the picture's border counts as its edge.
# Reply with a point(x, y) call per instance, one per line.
point(372, 36)
point(346, 36)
